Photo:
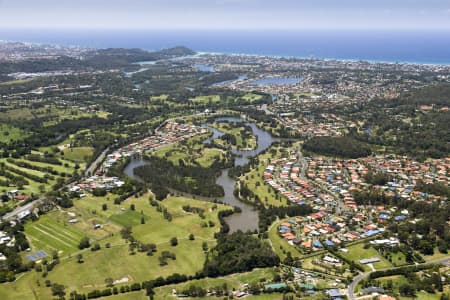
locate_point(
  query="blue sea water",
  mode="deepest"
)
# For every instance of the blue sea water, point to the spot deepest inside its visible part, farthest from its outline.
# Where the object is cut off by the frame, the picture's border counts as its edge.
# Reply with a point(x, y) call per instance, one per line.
point(430, 47)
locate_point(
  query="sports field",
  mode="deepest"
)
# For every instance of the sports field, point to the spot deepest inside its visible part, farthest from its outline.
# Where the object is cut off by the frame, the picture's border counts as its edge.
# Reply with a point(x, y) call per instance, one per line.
point(49, 235)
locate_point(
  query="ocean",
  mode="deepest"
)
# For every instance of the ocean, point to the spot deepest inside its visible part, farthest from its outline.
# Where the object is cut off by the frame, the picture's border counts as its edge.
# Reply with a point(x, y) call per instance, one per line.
point(425, 47)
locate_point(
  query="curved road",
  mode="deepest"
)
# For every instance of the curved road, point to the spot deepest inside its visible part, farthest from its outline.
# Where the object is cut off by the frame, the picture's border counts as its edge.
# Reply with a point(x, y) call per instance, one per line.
point(361, 276)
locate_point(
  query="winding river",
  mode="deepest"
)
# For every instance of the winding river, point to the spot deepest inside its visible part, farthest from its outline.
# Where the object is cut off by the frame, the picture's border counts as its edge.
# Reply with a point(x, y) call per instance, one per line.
point(247, 219)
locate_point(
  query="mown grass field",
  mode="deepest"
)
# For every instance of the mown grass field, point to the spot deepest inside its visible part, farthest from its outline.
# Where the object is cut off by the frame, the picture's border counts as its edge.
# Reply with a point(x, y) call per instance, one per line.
point(183, 223)
point(357, 252)
point(192, 152)
point(237, 130)
point(16, 81)
point(78, 154)
point(50, 235)
point(115, 262)
point(53, 232)
point(250, 97)
point(213, 99)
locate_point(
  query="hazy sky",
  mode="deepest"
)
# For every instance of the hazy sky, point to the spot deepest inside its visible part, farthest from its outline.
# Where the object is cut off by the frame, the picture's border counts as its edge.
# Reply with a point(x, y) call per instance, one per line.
point(226, 14)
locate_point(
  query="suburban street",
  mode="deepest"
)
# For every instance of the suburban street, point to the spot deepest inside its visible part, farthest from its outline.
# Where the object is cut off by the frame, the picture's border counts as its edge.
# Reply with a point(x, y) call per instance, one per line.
point(359, 277)
point(94, 165)
point(18, 210)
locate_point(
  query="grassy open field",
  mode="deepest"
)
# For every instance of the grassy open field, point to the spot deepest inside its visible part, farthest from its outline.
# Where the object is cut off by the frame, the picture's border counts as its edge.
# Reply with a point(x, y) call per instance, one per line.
point(357, 252)
point(250, 97)
point(192, 152)
point(78, 154)
point(50, 235)
point(53, 115)
point(115, 262)
point(213, 99)
point(398, 259)
point(399, 280)
point(239, 132)
point(88, 212)
point(161, 97)
point(53, 232)
point(16, 81)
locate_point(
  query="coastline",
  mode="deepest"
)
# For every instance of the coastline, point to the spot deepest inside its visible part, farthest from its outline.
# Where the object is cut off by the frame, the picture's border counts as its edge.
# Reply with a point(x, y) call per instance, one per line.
point(427, 48)
point(352, 60)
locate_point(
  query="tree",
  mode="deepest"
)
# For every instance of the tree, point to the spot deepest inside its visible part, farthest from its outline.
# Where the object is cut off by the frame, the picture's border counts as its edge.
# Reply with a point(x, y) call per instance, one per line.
point(132, 207)
point(58, 290)
point(407, 290)
point(42, 188)
point(109, 282)
point(142, 220)
point(104, 206)
point(84, 243)
point(191, 237)
point(205, 246)
point(80, 258)
point(173, 241)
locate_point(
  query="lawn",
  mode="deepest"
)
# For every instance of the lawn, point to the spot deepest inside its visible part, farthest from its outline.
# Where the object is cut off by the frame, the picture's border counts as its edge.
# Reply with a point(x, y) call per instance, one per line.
point(129, 218)
point(213, 99)
point(59, 168)
point(398, 259)
point(396, 280)
point(48, 234)
point(191, 152)
point(16, 81)
point(52, 231)
point(244, 137)
point(78, 154)
point(250, 97)
point(159, 230)
point(357, 252)
point(436, 255)
point(115, 262)
point(161, 97)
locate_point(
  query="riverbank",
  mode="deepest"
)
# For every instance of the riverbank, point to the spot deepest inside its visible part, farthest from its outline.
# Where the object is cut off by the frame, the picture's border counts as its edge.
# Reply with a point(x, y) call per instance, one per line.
point(247, 219)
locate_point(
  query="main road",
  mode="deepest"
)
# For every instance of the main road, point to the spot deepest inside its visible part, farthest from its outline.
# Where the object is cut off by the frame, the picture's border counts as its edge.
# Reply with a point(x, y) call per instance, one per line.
point(94, 165)
point(359, 277)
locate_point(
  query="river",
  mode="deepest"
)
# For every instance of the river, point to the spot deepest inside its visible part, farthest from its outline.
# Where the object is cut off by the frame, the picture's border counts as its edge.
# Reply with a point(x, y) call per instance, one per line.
point(248, 218)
